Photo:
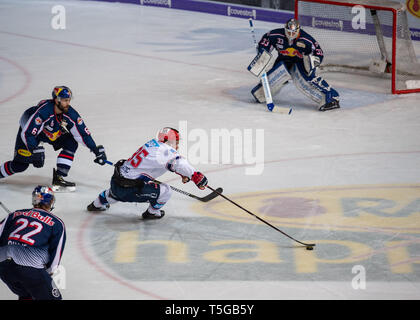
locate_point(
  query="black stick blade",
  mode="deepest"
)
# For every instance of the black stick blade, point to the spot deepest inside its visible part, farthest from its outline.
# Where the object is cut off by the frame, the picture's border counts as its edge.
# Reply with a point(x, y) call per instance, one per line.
point(211, 195)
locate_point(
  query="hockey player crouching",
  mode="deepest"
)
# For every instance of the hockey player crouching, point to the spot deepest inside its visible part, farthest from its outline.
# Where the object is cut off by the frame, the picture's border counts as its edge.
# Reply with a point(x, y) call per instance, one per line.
point(56, 122)
point(133, 179)
point(299, 56)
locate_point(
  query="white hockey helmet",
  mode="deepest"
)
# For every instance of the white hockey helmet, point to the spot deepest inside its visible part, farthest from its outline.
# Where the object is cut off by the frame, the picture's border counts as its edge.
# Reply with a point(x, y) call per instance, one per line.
point(169, 136)
point(292, 29)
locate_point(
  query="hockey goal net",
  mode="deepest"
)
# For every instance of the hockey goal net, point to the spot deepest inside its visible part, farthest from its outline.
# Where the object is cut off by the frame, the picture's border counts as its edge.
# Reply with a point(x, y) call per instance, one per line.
point(363, 36)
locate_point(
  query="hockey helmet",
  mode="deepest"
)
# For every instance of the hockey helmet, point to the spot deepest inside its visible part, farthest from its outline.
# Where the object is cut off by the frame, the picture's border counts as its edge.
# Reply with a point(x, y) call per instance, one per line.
point(292, 29)
point(43, 195)
point(169, 136)
point(62, 92)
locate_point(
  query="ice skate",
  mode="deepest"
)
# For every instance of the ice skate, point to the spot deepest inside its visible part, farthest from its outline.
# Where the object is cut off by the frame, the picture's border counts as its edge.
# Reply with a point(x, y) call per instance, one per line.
point(92, 208)
point(61, 185)
point(148, 215)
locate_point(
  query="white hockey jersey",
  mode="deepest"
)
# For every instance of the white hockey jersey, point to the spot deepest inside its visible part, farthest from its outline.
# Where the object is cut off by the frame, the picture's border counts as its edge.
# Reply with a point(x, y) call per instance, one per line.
point(152, 160)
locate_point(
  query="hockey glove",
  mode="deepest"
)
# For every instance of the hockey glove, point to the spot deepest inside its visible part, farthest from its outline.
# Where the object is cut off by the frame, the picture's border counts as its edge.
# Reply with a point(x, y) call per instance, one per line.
point(38, 157)
point(200, 180)
point(100, 155)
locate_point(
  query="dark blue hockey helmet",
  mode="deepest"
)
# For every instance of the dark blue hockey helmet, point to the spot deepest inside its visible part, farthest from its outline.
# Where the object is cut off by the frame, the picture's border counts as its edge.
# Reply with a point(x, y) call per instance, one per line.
point(61, 92)
point(43, 195)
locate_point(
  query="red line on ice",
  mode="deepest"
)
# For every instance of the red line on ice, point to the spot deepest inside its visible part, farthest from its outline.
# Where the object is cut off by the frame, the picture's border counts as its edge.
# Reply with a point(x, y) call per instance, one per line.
point(26, 82)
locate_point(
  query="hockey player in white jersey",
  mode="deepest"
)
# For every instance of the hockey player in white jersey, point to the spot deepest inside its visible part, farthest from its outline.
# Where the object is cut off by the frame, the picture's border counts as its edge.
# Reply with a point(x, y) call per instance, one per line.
point(133, 179)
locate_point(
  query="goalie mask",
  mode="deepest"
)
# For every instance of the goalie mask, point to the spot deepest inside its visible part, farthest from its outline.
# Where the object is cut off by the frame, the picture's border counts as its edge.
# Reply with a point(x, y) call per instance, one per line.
point(169, 136)
point(292, 29)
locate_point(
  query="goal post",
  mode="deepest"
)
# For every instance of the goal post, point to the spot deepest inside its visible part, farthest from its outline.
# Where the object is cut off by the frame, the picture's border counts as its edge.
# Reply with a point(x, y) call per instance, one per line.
point(369, 37)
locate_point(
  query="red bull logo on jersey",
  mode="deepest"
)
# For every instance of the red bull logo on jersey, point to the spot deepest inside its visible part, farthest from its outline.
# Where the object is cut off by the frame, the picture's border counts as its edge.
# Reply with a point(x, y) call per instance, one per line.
point(52, 135)
point(291, 52)
point(35, 214)
point(413, 7)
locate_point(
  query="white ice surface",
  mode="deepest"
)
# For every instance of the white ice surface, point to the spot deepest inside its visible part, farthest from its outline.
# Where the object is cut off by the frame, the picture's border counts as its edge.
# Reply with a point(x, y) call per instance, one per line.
point(136, 69)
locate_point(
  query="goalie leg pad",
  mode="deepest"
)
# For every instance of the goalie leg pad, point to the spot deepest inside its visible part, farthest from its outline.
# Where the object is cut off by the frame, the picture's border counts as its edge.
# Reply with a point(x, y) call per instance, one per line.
point(278, 76)
point(259, 64)
point(313, 86)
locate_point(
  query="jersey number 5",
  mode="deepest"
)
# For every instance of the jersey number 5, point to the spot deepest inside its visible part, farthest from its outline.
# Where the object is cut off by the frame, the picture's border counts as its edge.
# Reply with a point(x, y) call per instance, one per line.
point(138, 157)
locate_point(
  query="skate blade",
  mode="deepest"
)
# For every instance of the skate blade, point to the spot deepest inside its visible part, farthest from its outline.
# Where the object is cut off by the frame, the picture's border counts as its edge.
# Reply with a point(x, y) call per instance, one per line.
point(61, 189)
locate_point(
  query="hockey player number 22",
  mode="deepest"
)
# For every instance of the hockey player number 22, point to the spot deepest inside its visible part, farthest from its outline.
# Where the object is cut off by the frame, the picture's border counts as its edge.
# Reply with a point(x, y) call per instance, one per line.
point(26, 238)
point(137, 158)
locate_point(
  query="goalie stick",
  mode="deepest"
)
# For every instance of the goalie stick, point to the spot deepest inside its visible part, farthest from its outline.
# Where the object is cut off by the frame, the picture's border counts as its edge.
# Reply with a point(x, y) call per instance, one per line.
point(264, 81)
point(206, 198)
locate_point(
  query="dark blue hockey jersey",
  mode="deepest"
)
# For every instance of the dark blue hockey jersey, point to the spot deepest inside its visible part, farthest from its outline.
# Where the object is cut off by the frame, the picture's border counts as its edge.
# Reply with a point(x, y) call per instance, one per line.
point(304, 44)
point(41, 123)
point(32, 237)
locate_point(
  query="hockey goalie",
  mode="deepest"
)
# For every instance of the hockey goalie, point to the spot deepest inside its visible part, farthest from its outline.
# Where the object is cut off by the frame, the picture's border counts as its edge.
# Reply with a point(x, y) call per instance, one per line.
point(299, 56)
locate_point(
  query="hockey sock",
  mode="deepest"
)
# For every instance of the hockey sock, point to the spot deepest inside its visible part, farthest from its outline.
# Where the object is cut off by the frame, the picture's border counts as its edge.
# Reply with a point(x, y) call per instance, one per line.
point(6, 170)
point(104, 199)
point(11, 167)
point(153, 210)
point(64, 162)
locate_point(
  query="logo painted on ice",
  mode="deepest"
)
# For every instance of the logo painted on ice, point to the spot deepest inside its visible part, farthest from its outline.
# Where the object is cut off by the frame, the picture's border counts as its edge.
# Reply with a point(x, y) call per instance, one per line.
point(351, 208)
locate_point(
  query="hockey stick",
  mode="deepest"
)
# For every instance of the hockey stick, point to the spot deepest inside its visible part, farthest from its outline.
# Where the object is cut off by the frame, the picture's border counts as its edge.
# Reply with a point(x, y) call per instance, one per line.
point(264, 81)
point(5, 208)
point(307, 245)
point(206, 198)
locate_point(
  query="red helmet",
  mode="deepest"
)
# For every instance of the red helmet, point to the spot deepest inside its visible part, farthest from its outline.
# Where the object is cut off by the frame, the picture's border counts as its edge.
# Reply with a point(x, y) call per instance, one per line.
point(170, 136)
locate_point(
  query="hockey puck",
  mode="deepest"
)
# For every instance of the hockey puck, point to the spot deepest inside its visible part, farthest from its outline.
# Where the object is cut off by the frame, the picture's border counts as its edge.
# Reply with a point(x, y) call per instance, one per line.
point(309, 248)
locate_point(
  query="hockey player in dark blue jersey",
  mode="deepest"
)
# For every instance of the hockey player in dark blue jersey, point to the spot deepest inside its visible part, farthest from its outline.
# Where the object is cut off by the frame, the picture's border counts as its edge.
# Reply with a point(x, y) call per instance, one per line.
point(54, 122)
point(31, 246)
point(299, 56)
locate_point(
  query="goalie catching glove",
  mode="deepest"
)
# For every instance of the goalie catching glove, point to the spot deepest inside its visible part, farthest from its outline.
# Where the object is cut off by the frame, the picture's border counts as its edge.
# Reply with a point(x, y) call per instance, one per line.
point(100, 155)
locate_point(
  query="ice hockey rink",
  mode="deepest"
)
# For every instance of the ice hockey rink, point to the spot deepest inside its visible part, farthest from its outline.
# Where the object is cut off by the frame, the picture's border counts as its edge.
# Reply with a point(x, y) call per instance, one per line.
point(347, 180)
